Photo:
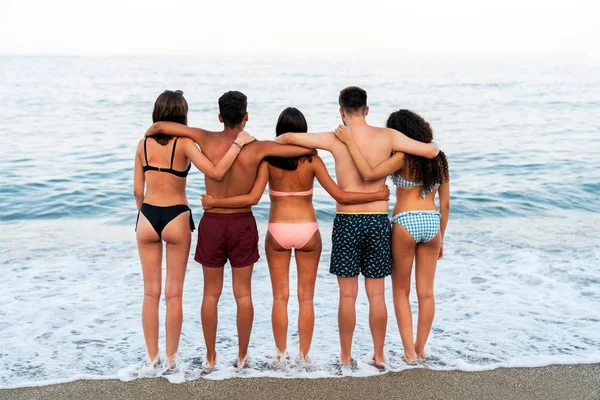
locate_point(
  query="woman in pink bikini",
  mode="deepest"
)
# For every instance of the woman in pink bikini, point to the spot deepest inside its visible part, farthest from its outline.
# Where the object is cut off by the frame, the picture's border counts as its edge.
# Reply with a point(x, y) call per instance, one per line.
point(293, 224)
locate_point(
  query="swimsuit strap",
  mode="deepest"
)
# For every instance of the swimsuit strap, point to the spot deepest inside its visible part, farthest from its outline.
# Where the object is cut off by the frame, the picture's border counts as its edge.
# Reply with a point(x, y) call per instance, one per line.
point(145, 151)
point(276, 193)
point(173, 152)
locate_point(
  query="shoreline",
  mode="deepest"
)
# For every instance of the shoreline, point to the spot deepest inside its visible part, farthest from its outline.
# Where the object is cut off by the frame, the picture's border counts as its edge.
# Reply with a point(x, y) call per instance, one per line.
point(577, 381)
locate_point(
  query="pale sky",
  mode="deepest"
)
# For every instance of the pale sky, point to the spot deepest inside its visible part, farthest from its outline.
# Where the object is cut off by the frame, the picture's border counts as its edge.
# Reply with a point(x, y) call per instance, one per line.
point(301, 27)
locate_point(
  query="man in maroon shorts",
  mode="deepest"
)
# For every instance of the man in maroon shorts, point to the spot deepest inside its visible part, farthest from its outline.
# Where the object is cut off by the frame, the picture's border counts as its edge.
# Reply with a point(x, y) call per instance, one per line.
point(225, 233)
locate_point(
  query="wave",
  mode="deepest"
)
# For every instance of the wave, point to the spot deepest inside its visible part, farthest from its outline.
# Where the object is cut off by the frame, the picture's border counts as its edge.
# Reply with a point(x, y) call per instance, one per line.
point(364, 369)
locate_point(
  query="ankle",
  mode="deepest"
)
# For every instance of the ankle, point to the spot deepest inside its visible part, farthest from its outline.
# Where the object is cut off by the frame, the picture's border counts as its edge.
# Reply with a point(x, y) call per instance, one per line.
point(379, 358)
point(210, 356)
point(152, 357)
point(345, 359)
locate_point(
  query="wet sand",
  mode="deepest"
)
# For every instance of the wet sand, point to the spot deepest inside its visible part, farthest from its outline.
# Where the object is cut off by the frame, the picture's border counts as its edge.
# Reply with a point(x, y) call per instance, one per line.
point(552, 382)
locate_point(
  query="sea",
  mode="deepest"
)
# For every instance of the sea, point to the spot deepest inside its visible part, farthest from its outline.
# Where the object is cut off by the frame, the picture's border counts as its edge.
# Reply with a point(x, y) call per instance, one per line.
point(519, 285)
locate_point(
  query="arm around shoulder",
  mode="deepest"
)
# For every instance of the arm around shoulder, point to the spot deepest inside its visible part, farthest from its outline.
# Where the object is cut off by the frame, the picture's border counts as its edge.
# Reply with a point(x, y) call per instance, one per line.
point(323, 140)
point(401, 142)
point(176, 129)
point(270, 148)
point(200, 161)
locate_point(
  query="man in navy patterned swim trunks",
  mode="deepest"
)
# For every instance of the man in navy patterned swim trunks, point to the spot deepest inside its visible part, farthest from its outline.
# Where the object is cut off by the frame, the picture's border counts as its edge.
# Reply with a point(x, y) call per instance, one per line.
point(361, 232)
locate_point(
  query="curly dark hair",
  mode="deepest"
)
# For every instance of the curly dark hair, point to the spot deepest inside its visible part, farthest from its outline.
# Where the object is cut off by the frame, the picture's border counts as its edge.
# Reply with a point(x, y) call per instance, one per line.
point(420, 169)
point(232, 107)
point(290, 120)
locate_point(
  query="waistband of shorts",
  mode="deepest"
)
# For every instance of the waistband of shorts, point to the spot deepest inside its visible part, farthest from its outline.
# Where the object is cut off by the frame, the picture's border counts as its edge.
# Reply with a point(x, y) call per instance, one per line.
point(362, 213)
point(231, 216)
point(417, 212)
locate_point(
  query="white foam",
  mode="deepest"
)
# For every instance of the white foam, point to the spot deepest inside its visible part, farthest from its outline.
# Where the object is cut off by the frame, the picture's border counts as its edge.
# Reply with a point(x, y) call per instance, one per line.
point(505, 298)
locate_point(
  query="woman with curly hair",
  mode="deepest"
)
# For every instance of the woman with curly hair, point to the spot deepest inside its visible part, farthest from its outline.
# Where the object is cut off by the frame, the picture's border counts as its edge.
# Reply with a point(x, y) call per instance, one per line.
point(418, 227)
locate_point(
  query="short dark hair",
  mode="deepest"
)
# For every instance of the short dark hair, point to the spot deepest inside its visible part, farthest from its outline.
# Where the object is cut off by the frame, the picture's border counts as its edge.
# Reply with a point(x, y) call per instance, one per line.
point(232, 107)
point(353, 100)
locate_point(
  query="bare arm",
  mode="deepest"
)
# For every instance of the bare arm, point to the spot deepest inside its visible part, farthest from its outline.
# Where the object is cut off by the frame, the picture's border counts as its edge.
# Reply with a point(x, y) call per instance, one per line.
point(444, 195)
point(139, 180)
point(245, 200)
point(175, 129)
point(323, 140)
point(402, 143)
point(383, 169)
point(341, 196)
point(193, 153)
point(270, 148)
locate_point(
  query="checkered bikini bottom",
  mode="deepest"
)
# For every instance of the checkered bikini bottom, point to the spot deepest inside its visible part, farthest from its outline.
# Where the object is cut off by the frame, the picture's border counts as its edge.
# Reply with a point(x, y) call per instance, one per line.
point(422, 225)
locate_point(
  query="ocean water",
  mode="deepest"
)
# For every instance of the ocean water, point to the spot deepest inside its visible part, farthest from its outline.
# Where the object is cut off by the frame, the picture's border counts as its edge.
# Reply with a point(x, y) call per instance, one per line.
point(520, 281)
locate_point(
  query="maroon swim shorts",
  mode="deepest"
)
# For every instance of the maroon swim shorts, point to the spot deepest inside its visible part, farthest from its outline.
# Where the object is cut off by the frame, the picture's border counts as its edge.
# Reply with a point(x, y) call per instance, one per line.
point(223, 237)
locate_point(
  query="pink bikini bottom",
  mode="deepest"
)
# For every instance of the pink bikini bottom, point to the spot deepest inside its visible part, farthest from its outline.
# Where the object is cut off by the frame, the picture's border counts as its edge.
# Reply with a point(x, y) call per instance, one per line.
point(292, 235)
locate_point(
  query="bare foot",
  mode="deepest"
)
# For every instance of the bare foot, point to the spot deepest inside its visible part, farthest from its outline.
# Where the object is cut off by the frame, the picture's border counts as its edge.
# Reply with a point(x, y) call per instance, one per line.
point(410, 358)
point(209, 362)
point(241, 363)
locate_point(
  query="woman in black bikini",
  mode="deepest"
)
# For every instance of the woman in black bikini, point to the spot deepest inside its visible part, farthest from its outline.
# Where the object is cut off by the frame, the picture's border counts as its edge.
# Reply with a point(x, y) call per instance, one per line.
point(161, 167)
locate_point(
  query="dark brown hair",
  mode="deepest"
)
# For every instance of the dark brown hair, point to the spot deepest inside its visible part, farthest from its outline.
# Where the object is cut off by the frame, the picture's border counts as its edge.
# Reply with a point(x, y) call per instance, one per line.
point(232, 107)
point(420, 169)
point(290, 120)
point(169, 106)
point(353, 100)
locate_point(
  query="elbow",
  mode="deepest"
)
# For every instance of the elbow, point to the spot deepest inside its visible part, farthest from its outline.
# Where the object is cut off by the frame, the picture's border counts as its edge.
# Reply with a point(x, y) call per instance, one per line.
point(445, 208)
point(342, 199)
point(156, 127)
point(138, 194)
point(217, 176)
point(433, 153)
point(369, 176)
point(286, 138)
point(255, 200)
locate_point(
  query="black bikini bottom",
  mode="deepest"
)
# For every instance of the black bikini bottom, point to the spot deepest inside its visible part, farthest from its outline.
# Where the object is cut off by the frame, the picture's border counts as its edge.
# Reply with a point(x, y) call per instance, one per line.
point(160, 216)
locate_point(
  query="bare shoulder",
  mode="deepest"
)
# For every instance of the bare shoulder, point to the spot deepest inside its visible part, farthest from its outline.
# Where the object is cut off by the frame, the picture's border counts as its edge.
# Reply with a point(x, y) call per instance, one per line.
point(388, 131)
point(317, 159)
point(185, 141)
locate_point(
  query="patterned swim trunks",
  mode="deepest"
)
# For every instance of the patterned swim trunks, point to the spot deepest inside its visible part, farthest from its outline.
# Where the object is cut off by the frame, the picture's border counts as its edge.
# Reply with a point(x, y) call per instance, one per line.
point(361, 244)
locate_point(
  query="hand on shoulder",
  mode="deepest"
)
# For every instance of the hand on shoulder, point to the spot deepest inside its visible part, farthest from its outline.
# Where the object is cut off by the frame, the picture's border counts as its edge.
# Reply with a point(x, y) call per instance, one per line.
point(343, 133)
point(244, 138)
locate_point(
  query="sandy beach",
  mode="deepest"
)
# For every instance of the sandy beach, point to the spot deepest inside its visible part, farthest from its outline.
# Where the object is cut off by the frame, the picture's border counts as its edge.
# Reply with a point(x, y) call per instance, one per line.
point(552, 382)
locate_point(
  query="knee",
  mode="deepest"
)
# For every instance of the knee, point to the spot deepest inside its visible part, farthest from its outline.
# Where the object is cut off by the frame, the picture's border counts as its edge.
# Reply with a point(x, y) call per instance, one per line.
point(401, 289)
point(281, 296)
point(173, 295)
point(376, 295)
point(242, 296)
point(152, 293)
point(348, 294)
point(211, 296)
point(425, 294)
point(305, 296)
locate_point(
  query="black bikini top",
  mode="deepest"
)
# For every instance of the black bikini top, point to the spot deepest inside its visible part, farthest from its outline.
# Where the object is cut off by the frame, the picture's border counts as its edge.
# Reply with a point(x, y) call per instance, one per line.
point(181, 174)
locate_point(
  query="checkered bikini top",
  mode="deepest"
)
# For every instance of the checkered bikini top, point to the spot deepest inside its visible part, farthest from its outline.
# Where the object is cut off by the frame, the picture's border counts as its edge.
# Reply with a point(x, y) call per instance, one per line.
point(399, 181)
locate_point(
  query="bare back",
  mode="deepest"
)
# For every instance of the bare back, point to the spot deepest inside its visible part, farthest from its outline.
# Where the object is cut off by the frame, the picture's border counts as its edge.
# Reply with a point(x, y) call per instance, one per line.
point(374, 144)
point(292, 208)
point(241, 176)
point(164, 189)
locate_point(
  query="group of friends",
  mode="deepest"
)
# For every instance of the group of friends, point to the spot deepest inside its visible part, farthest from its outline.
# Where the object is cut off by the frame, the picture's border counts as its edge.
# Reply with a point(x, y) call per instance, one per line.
point(237, 169)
